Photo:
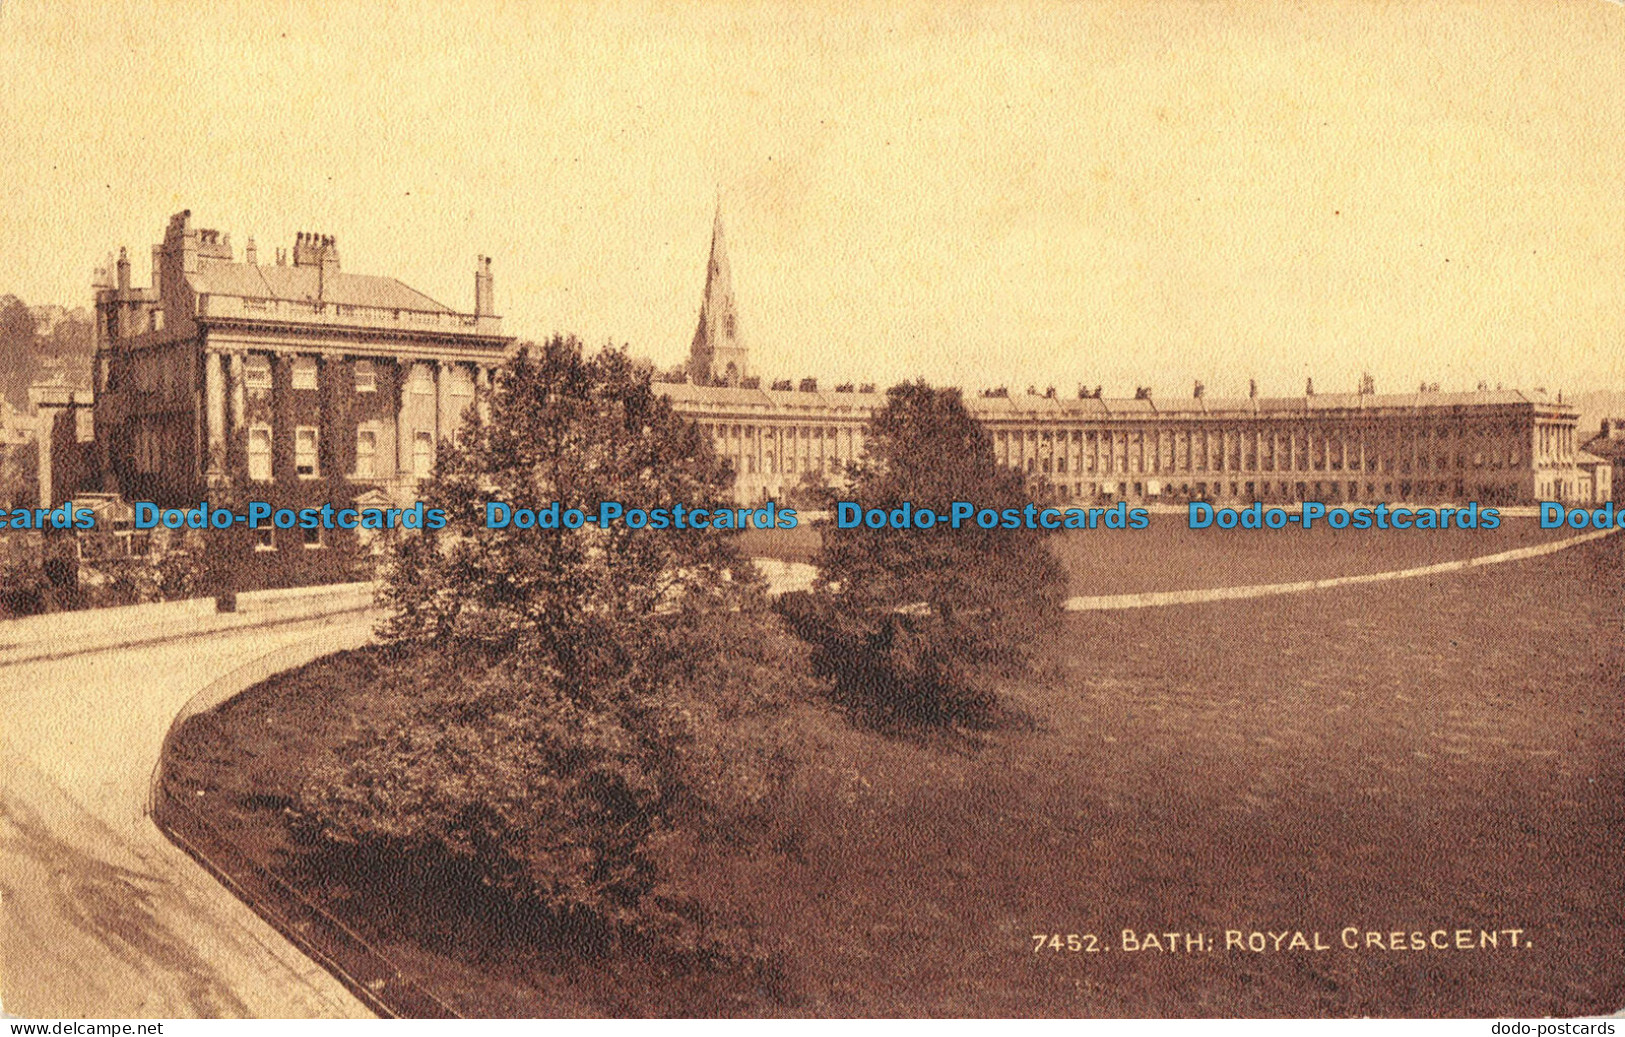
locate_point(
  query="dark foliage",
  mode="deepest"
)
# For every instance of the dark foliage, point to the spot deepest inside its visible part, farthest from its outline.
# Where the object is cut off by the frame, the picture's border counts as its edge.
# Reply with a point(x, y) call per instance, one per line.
point(176, 572)
point(913, 626)
point(570, 699)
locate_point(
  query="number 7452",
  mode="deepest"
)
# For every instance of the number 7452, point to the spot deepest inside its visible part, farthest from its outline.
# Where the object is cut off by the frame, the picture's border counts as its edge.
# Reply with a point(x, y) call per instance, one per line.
point(1084, 943)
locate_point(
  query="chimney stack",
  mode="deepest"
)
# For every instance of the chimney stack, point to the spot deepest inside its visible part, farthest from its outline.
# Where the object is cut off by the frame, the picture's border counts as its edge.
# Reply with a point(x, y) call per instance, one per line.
point(250, 255)
point(310, 249)
point(123, 270)
point(482, 288)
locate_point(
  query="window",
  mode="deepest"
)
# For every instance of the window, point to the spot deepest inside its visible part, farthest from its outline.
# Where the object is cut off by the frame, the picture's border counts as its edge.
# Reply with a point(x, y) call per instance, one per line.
point(304, 452)
point(257, 371)
point(304, 372)
point(259, 453)
point(313, 538)
point(147, 451)
point(423, 453)
point(264, 539)
point(421, 380)
point(460, 381)
point(366, 451)
point(366, 376)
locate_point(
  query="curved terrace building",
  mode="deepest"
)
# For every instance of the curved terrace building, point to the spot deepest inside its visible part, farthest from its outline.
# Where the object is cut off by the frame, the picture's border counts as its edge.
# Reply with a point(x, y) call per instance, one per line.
point(1492, 446)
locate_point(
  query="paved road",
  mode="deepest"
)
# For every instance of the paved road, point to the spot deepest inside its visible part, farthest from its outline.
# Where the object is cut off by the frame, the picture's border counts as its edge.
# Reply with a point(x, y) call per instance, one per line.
point(100, 915)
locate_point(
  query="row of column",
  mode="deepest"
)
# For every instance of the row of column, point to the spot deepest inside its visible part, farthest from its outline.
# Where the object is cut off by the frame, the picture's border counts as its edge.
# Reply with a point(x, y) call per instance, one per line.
point(757, 448)
point(216, 394)
point(1554, 441)
point(1218, 450)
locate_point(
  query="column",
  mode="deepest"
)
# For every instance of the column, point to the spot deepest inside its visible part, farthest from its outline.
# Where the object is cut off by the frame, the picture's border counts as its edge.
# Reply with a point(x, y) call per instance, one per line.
point(440, 394)
point(403, 439)
point(215, 394)
point(239, 403)
point(482, 390)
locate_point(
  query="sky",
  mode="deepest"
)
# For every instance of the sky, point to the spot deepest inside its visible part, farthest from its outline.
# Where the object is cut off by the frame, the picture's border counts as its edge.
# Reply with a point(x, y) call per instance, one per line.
point(1119, 194)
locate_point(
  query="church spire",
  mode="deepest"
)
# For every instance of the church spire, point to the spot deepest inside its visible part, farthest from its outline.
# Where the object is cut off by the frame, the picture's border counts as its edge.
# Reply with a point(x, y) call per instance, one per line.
point(718, 353)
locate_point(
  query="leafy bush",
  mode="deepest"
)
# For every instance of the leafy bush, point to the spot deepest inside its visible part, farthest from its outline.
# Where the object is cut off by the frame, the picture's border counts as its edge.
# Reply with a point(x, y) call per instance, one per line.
point(174, 571)
point(566, 701)
point(487, 774)
point(913, 625)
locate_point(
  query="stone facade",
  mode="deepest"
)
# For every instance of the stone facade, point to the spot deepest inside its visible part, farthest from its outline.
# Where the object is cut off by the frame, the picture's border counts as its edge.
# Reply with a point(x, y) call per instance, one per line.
point(1604, 458)
point(1492, 447)
point(294, 383)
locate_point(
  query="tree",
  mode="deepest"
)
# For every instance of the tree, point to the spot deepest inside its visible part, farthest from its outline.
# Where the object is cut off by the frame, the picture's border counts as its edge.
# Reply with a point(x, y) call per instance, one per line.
point(810, 492)
point(561, 701)
point(577, 431)
point(914, 625)
point(19, 361)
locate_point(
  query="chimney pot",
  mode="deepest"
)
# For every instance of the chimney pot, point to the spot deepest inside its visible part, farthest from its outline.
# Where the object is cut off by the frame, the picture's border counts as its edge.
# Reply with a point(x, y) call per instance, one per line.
point(483, 304)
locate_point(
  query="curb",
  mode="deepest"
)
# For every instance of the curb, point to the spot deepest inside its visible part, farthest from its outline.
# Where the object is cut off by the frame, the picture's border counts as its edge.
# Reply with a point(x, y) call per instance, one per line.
point(362, 969)
point(199, 624)
point(1152, 599)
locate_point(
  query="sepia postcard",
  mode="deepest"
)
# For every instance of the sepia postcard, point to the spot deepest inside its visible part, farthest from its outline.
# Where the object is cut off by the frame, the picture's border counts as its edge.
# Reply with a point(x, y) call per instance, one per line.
point(805, 510)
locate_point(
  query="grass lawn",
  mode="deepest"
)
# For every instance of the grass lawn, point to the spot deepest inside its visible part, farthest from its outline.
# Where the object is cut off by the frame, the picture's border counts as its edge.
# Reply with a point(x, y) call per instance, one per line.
point(1440, 753)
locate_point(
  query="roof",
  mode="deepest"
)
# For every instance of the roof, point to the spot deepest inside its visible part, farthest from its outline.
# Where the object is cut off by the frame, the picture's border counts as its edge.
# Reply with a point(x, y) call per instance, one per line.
point(681, 393)
point(302, 284)
point(1586, 457)
point(1025, 406)
point(1230, 407)
point(1605, 447)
